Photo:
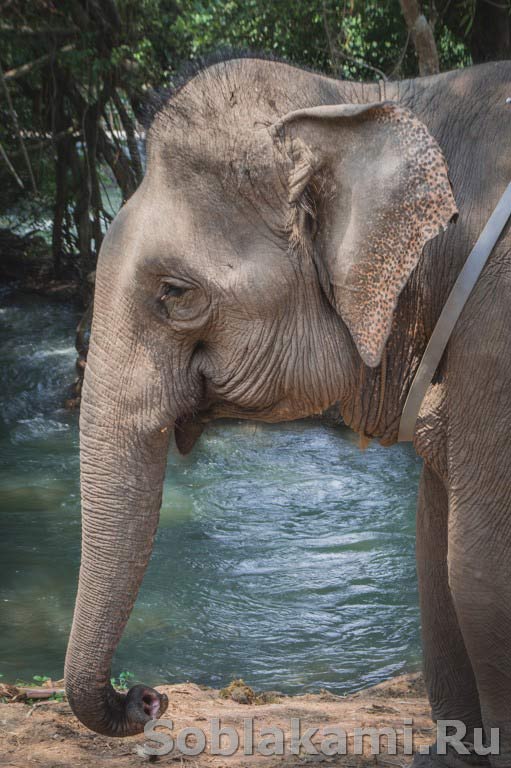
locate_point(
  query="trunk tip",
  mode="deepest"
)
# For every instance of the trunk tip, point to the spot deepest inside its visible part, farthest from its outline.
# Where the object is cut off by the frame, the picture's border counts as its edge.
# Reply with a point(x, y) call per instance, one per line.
point(144, 704)
point(111, 713)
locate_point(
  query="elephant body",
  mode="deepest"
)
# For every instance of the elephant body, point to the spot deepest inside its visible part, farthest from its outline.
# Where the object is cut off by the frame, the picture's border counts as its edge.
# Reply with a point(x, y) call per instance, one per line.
point(291, 246)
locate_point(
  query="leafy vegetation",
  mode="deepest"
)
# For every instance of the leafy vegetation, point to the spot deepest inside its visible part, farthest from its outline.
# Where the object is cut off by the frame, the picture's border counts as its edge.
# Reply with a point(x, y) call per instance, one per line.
point(122, 683)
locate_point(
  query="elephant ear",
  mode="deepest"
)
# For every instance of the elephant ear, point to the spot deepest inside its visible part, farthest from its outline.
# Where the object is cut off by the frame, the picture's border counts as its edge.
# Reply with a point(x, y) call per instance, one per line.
point(377, 182)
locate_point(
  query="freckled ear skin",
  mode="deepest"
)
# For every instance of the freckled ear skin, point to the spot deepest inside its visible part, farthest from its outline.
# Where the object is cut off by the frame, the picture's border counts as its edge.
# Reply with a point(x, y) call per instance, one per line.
point(389, 194)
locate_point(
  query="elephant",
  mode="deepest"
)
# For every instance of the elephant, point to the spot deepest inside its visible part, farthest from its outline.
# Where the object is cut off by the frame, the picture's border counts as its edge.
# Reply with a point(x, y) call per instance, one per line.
point(291, 246)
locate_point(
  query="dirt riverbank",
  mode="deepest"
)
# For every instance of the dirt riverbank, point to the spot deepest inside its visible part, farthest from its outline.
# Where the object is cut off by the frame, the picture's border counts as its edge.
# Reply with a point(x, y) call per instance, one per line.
point(49, 736)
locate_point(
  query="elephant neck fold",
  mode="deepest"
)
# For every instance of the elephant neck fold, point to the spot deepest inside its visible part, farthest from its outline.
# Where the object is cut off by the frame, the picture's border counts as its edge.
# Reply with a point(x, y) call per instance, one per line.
point(450, 314)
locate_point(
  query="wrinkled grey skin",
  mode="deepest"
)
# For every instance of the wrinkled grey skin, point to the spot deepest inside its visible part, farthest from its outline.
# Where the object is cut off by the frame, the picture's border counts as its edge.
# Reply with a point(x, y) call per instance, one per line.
point(260, 334)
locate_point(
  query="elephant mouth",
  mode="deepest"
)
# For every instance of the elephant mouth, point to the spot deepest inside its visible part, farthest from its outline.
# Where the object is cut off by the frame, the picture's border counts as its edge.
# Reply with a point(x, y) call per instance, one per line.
point(189, 427)
point(187, 431)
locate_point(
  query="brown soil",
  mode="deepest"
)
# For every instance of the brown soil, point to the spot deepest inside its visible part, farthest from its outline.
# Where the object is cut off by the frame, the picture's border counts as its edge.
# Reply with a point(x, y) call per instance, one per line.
point(47, 735)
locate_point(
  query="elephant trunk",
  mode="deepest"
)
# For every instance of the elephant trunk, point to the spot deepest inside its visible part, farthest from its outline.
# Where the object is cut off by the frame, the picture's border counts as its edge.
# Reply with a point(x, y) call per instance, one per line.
point(122, 473)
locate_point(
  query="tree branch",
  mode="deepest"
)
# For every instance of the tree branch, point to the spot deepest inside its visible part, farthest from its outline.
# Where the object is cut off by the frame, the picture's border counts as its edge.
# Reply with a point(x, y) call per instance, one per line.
point(14, 117)
point(11, 167)
point(40, 31)
point(336, 52)
point(397, 65)
point(119, 164)
point(25, 69)
point(422, 36)
point(362, 63)
point(131, 138)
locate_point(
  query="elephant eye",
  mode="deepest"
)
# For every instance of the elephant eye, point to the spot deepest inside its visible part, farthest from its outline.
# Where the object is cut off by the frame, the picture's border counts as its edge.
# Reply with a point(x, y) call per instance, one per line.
point(172, 291)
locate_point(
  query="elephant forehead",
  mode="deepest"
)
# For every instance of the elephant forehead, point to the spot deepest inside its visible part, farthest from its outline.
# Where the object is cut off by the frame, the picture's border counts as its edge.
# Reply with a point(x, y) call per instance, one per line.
point(221, 135)
point(224, 210)
point(215, 163)
point(176, 230)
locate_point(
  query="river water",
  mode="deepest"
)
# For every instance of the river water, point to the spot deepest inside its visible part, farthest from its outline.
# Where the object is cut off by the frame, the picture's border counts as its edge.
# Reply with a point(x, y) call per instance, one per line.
point(284, 555)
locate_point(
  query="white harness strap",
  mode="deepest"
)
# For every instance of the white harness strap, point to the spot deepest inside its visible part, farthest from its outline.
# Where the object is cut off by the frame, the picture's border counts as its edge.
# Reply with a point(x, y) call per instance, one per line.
point(450, 313)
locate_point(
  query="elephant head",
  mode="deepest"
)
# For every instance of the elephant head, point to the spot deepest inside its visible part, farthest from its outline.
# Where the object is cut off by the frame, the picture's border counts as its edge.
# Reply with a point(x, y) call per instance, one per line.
point(253, 274)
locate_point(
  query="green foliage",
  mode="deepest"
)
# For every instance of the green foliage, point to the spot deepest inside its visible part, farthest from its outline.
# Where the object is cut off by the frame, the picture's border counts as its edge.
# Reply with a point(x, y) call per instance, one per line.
point(122, 683)
point(87, 58)
point(351, 39)
point(37, 679)
point(453, 52)
point(58, 697)
point(40, 679)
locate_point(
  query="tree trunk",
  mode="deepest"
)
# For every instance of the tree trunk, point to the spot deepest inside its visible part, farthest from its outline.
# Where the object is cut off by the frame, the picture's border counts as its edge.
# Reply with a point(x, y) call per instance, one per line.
point(59, 208)
point(129, 129)
point(421, 33)
point(81, 211)
point(119, 164)
point(62, 152)
point(91, 162)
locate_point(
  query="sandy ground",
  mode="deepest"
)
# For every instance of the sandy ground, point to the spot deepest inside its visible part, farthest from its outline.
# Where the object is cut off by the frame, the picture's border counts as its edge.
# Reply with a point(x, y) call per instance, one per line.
point(49, 736)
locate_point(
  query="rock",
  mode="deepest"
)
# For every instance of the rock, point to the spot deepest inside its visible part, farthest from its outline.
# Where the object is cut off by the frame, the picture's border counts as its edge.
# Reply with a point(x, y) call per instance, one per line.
point(239, 692)
point(242, 693)
point(269, 697)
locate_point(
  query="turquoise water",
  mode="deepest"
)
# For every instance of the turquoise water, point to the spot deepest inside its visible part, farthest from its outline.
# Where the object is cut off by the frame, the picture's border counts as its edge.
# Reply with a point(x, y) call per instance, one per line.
point(284, 555)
